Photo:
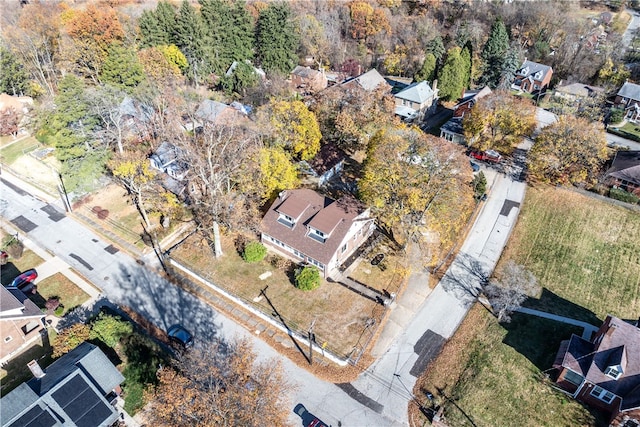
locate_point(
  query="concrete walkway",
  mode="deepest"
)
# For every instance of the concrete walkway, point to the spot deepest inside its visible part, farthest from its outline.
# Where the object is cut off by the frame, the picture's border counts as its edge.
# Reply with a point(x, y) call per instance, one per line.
point(588, 328)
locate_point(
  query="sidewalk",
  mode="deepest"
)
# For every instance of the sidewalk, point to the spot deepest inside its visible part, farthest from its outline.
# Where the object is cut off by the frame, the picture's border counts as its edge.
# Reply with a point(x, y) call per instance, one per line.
point(588, 328)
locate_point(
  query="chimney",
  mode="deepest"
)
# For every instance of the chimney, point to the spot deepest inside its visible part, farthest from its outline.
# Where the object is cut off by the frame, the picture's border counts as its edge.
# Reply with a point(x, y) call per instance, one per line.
point(282, 195)
point(35, 369)
point(434, 85)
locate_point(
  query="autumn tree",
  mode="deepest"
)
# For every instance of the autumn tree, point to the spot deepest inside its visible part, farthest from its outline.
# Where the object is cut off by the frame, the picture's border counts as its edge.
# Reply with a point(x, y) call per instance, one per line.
point(37, 46)
point(295, 128)
point(276, 39)
point(277, 170)
point(499, 121)
point(313, 39)
point(221, 384)
point(9, 121)
point(493, 54)
point(222, 169)
point(570, 151)
point(512, 286)
point(410, 179)
point(133, 171)
point(367, 21)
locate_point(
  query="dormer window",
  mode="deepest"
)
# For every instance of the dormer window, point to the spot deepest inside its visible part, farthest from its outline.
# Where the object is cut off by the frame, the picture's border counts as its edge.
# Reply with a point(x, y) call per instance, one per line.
point(317, 235)
point(613, 372)
point(286, 220)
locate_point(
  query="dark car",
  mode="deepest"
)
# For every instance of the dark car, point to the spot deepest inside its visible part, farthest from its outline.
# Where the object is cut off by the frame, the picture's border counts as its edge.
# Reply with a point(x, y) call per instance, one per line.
point(308, 419)
point(181, 336)
point(474, 166)
point(25, 280)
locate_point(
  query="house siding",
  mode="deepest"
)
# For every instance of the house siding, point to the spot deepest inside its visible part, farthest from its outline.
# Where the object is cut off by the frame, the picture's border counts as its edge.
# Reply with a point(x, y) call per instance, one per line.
point(584, 395)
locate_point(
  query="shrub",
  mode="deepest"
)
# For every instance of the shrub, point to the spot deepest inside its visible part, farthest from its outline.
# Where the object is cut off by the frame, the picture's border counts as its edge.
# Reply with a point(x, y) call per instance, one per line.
point(69, 339)
point(254, 252)
point(52, 304)
point(110, 329)
point(616, 115)
point(619, 194)
point(479, 185)
point(307, 278)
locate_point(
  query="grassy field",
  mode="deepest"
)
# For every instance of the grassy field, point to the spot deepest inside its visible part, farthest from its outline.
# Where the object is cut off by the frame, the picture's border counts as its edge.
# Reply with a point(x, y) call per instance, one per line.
point(340, 314)
point(491, 375)
point(59, 286)
point(584, 252)
point(11, 152)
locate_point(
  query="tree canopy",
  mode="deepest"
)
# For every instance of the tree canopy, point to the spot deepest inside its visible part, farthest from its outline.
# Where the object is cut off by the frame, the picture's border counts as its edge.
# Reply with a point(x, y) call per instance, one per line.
point(277, 39)
point(295, 128)
point(494, 53)
point(570, 151)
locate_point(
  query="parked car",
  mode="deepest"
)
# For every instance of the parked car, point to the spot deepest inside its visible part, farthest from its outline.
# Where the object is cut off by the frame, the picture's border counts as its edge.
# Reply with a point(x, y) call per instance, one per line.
point(308, 419)
point(487, 156)
point(474, 166)
point(4, 257)
point(180, 336)
point(25, 280)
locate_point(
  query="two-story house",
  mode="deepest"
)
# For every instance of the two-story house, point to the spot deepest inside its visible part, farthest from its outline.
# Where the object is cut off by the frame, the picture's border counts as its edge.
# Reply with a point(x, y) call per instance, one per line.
point(628, 99)
point(605, 371)
point(311, 228)
point(532, 77)
point(416, 101)
point(21, 322)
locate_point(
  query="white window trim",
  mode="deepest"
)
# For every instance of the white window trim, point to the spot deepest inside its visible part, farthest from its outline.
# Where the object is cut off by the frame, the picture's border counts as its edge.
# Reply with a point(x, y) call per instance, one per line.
point(601, 394)
point(8, 338)
point(615, 376)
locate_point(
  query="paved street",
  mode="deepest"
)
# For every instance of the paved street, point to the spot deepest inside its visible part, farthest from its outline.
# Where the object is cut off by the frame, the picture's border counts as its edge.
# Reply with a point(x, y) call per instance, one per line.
point(381, 394)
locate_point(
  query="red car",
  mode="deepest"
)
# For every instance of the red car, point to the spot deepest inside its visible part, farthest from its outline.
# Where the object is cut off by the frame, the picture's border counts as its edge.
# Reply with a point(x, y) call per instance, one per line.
point(24, 281)
point(487, 156)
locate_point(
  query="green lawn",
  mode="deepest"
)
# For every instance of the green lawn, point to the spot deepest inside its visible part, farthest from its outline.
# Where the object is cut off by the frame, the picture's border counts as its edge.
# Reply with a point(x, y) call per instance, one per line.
point(493, 375)
point(10, 153)
point(59, 286)
point(632, 128)
point(584, 252)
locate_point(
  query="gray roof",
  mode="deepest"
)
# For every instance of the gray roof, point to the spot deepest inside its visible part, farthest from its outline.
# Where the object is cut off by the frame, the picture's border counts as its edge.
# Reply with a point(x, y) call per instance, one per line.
point(370, 80)
point(533, 70)
point(579, 89)
point(210, 110)
point(626, 166)
point(129, 107)
point(72, 392)
point(12, 299)
point(416, 92)
point(8, 302)
point(454, 126)
point(630, 90)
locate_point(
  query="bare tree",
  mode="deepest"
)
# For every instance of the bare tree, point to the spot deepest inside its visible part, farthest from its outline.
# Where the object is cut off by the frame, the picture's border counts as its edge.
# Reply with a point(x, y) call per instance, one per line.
point(507, 293)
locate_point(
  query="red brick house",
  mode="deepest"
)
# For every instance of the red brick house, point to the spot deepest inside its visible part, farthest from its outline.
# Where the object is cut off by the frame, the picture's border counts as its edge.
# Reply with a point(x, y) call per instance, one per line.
point(532, 77)
point(307, 80)
point(604, 372)
point(311, 228)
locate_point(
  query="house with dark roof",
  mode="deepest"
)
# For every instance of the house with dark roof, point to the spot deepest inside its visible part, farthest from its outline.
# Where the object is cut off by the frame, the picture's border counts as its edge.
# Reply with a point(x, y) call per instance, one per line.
point(21, 322)
point(452, 130)
point(624, 172)
point(628, 99)
point(307, 81)
point(75, 390)
point(532, 77)
point(326, 164)
point(217, 113)
point(416, 101)
point(134, 120)
point(369, 81)
point(605, 371)
point(311, 228)
point(576, 92)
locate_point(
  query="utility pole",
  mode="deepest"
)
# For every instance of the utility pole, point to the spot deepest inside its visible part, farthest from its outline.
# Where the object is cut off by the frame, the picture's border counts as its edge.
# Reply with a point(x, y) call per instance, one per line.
point(311, 339)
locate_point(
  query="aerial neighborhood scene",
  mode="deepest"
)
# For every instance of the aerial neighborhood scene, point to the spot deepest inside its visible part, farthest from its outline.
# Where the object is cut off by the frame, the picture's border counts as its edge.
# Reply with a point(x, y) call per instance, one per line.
point(319, 213)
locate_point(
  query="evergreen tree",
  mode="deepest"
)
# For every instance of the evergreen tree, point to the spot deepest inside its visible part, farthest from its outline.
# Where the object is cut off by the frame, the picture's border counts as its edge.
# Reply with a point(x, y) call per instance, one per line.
point(242, 77)
point(191, 38)
point(493, 54)
point(428, 70)
point(452, 77)
point(121, 68)
point(466, 58)
point(436, 47)
point(510, 64)
point(276, 39)
point(13, 79)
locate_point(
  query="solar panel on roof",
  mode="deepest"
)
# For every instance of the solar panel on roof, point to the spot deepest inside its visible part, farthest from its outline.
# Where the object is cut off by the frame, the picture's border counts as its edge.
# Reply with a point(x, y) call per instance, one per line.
point(81, 403)
point(34, 417)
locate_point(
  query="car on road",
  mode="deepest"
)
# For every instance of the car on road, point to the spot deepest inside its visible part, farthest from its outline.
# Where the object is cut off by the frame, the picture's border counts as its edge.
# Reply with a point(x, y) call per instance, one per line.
point(179, 335)
point(474, 166)
point(25, 280)
point(308, 419)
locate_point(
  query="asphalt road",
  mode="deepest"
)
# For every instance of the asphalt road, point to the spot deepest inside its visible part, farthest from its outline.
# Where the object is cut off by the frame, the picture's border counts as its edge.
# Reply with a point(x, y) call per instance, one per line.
point(125, 282)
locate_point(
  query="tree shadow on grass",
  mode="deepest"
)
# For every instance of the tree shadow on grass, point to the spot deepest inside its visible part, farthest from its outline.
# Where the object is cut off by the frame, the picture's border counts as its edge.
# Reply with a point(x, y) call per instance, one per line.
point(552, 303)
point(8, 272)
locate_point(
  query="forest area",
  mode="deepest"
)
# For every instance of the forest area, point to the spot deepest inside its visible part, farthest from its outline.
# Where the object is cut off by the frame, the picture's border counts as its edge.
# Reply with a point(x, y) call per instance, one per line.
point(115, 79)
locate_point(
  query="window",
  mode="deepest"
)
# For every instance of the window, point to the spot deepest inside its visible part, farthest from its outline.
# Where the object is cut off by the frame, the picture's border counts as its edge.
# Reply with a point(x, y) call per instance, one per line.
point(613, 372)
point(573, 378)
point(286, 220)
point(602, 394)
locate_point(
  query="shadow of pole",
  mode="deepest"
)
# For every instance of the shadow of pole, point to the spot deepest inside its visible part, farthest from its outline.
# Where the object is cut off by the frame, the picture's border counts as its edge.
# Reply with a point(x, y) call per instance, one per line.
point(453, 402)
point(263, 292)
